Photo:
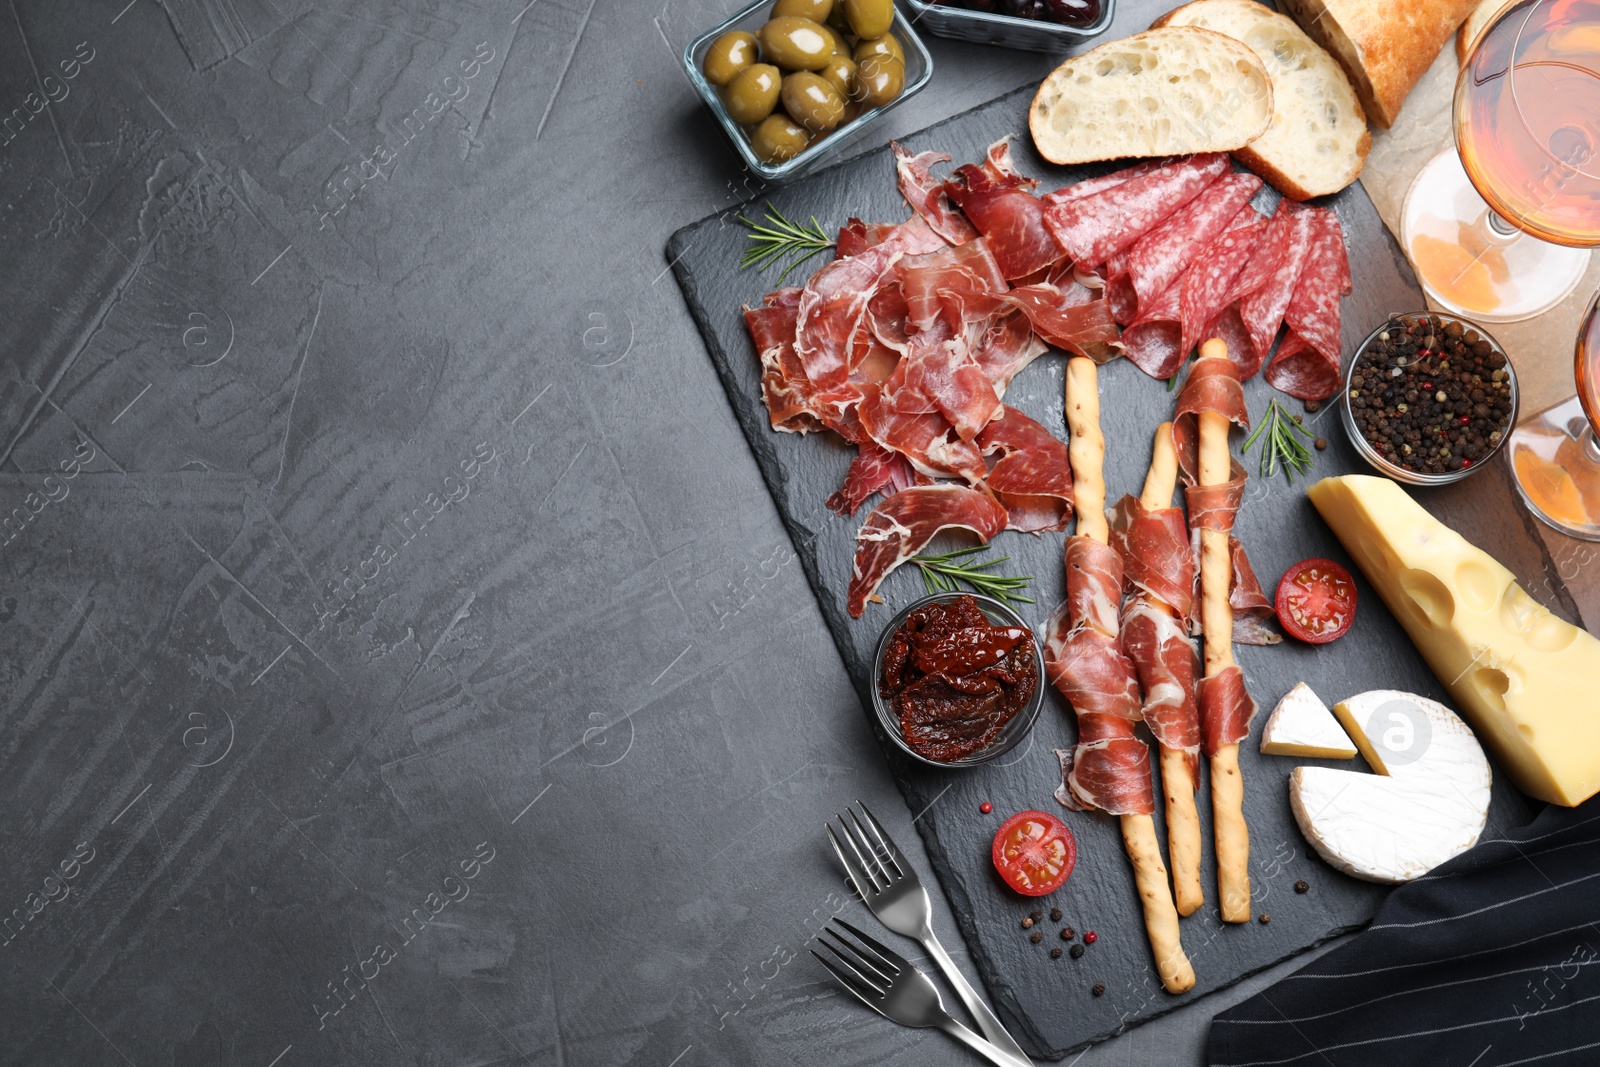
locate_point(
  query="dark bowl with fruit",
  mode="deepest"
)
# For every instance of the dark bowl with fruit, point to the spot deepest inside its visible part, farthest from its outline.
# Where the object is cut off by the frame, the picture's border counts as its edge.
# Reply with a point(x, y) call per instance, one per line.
point(1031, 25)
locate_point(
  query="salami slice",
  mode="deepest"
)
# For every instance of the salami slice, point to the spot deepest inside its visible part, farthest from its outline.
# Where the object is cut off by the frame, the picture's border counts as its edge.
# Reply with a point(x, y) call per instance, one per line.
point(1263, 309)
point(1091, 186)
point(1307, 364)
point(1155, 341)
point(1209, 279)
point(1159, 258)
point(1092, 228)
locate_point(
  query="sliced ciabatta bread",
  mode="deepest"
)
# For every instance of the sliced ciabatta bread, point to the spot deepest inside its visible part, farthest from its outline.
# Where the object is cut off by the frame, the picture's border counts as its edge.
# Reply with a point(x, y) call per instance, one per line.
point(1386, 46)
point(1163, 92)
point(1318, 139)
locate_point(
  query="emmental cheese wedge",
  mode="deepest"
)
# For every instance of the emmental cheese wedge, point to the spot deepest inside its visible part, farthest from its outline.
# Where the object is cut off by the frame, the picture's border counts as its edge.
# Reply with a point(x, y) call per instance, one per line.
point(1525, 679)
point(1301, 725)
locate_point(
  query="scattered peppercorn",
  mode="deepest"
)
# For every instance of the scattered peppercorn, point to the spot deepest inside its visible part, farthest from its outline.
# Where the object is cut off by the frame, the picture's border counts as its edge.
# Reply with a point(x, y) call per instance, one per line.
point(1068, 933)
point(1036, 916)
point(1099, 989)
point(1036, 937)
point(1055, 954)
point(1055, 915)
point(1264, 918)
point(986, 807)
point(1428, 397)
point(1302, 886)
point(1321, 443)
point(1077, 951)
point(1027, 921)
point(1313, 406)
point(1090, 937)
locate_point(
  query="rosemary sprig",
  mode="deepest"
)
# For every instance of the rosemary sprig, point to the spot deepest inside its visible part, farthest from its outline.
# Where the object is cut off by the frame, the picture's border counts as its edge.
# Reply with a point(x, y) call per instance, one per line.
point(941, 573)
point(778, 237)
point(1282, 443)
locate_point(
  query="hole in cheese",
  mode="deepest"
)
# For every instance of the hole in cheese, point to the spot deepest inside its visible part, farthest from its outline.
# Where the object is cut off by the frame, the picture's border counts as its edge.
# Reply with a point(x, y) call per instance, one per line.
point(1520, 613)
point(1430, 595)
point(1479, 588)
point(1492, 683)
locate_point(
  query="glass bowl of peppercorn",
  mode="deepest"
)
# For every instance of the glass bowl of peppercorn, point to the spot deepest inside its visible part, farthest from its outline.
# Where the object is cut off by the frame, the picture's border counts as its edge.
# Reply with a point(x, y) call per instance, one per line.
point(1429, 398)
point(958, 679)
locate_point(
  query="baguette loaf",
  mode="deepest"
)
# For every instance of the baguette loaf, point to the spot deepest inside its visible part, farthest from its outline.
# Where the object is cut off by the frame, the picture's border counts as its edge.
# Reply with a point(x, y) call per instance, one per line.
point(1318, 139)
point(1385, 45)
point(1163, 92)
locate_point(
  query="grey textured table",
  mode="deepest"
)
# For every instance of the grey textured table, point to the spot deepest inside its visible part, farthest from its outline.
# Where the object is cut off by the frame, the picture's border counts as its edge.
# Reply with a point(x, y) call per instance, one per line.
point(399, 647)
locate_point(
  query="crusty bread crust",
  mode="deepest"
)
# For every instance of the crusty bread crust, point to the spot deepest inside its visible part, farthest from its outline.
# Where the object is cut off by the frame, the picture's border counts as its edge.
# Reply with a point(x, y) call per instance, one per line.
point(1135, 98)
point(1318, 140)
point(1385, 45)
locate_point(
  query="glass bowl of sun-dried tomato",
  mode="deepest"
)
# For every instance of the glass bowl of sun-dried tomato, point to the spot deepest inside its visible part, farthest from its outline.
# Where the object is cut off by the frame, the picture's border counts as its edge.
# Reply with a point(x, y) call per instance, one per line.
point(957, 679)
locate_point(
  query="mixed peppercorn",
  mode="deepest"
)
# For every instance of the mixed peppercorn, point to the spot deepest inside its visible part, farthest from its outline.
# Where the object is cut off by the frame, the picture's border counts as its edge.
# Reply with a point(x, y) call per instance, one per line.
point(1431, 396)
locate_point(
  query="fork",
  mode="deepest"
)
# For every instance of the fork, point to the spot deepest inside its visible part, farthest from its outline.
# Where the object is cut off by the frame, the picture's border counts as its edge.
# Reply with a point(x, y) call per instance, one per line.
point(894, 893)
point(887, 983)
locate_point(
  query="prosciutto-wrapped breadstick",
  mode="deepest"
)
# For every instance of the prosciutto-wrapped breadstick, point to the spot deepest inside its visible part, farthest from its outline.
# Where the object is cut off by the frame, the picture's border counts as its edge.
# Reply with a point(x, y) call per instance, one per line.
point(1211, 403)
point(1109, 769)
point(1159, 567)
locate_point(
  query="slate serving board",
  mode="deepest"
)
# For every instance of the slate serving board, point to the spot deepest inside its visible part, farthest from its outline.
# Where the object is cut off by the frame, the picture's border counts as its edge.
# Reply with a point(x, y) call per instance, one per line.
point(1047, 1002)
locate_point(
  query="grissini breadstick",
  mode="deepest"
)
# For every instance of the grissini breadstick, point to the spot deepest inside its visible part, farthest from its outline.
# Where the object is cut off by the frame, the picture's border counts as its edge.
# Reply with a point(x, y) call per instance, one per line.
point(1177, 764)
point(1110, 768)
point(1209, 405)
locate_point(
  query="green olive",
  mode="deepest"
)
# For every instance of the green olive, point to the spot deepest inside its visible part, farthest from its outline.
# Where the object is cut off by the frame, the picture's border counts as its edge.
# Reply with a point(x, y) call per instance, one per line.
point(879, 79)
point(887, 45)
point(869, 18)
point(837, 19)
point(779, 138)
point(841, 47)
point(812, 102)
point(841, 74)
point(728, 55)
point(815, 10)
point(796, 43)
point(753, 93)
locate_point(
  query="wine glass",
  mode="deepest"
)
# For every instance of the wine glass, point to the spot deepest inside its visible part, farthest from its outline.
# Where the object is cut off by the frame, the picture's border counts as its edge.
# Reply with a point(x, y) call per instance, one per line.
point(1500, 229)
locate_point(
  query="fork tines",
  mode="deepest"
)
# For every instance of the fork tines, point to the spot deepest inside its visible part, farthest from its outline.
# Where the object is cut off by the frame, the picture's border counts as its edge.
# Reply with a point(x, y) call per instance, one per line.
point(865, 967)
point(878, 864)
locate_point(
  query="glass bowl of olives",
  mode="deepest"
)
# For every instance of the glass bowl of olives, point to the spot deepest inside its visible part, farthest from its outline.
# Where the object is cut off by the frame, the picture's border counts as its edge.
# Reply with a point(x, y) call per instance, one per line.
point(1031, 25)
point(792, 81)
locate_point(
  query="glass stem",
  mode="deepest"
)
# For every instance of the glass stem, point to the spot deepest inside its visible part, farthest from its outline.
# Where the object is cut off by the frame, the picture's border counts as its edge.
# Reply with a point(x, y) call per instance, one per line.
point(1496, 230)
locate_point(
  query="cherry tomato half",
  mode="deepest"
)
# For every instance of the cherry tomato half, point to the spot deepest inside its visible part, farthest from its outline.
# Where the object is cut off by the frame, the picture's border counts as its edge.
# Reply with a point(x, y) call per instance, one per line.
point(1316, 601)
point(1034, 852)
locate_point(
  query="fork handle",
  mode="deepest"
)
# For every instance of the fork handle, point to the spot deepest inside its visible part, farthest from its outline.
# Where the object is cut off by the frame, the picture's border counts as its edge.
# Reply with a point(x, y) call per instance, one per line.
point(987, 1049)
point(980, 1011)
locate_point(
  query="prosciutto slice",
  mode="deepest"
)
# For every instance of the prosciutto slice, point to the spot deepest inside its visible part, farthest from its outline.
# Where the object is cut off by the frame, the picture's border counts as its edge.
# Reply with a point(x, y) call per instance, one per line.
point(1092, 228)
point(1006, 348)
point(899, 527)
point(1308, 362)
point(900, 418)
point(1252, 609)
point(1226, 709)
point(927, 195)
point(1164, 656)
point(941, 368)
point(1156, 555)
point(1011, 218)
point(874, 469)
point(1031, 478)
point(1109, 768)
point(784, 385)
point(1069, 317)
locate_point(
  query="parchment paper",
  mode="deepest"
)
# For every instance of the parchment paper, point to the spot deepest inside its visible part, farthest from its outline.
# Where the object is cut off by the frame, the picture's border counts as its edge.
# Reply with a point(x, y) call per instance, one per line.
point(1541, 348)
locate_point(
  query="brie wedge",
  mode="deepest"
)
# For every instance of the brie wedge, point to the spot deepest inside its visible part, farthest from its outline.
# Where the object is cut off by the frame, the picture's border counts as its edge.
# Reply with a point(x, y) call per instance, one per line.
point(1302, 725)
point(1427, 803)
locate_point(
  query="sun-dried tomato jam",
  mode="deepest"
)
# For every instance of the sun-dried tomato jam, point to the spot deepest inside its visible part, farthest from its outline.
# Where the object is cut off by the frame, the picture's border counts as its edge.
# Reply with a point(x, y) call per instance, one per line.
point(955, 678)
